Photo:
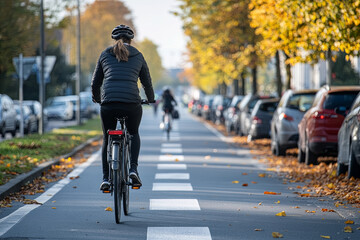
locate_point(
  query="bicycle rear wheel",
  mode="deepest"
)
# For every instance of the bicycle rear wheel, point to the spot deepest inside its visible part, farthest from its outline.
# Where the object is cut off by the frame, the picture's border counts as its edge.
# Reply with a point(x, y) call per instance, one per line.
point(117, 182)
point(126, 188)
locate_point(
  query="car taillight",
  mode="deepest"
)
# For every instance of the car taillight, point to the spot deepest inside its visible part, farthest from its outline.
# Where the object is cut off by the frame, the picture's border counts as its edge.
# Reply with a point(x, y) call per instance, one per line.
point(286, 117)
point(256, 120)
point(323, 115)
point(206, 107)
point(190, 105)
point(220, 107)
point(115, 132)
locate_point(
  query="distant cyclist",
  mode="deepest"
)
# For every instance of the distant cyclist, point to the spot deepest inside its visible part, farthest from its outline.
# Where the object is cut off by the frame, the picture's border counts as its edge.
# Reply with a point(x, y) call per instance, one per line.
point(168, 101)
point(117, 72)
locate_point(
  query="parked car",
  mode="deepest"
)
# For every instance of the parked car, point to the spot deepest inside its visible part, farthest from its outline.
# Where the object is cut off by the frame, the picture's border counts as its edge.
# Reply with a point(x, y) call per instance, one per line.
point(230, 114)
point(206, 107)
point(261, 117)
point(220, 103)
point(88, 108)
point(349, 142)
point(245, 108)
point(318, 130)
point(7, 116)
point(60, 108)
point(29, 119)
point(284, 124)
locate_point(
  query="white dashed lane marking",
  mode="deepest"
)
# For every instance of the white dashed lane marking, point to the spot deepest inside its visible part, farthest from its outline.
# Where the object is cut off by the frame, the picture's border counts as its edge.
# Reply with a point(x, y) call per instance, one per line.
point(174, 204)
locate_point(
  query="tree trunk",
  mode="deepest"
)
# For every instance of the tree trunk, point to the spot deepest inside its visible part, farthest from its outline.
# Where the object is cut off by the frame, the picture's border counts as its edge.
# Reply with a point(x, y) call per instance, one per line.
point(278, 74)
point(242, 76)
point(288, 74)
point(328, 67)
point(236, 86)
point(254, 79)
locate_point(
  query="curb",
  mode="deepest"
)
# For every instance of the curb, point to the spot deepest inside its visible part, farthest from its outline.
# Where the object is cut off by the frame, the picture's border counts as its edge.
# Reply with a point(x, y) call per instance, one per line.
point(15, 184)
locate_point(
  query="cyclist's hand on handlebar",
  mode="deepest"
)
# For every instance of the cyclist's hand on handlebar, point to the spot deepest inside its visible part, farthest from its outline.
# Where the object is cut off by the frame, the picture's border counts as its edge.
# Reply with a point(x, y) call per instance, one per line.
point(144, 101)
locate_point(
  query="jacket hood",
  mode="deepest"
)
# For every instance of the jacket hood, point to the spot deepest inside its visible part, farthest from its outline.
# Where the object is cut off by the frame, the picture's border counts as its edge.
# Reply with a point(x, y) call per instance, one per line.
point(132, 50)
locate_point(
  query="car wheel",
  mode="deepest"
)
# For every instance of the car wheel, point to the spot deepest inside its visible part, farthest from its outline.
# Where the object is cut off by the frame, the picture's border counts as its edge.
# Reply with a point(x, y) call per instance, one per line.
point(354, 168)
point(341, 169)
point(310, 157)
point(279, 151)
point(301, 156)
point(3, 131)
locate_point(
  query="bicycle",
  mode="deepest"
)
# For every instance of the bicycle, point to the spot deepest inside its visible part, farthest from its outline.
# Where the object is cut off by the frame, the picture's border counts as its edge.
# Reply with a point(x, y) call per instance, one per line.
point(167, 123)
point(118, 155)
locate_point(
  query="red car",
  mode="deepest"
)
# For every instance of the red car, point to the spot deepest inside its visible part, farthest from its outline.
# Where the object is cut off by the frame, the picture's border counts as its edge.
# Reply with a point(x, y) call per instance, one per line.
point(318, 130)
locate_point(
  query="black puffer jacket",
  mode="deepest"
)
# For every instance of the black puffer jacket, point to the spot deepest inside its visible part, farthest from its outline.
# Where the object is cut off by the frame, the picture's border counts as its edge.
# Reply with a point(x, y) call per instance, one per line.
point(119, 79)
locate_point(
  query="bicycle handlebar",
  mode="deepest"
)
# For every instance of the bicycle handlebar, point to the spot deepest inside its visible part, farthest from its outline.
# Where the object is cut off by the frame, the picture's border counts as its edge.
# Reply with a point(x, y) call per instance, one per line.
point(145, 101)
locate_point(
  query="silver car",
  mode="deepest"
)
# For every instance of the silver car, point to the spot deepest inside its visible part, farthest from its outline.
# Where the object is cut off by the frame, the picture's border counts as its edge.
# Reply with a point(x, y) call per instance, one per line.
point(284, 124)
point(7, 115)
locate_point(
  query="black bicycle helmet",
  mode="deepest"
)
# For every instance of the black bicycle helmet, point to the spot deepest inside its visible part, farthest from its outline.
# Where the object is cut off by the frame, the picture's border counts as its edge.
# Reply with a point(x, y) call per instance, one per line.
point(122, 31)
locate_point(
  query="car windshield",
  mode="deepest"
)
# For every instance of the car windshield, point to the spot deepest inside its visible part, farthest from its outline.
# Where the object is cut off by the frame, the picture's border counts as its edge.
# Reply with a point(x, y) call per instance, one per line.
point(301, 102)
point(340, 99)
point(268, 107)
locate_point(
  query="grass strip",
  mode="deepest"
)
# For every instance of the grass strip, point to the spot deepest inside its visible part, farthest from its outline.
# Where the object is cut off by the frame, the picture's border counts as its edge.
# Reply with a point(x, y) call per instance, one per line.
point(20, 155)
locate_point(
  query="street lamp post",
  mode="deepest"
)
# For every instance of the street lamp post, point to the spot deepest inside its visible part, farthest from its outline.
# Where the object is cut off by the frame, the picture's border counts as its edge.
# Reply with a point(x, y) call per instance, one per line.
point(42, 54)
point(78, 66)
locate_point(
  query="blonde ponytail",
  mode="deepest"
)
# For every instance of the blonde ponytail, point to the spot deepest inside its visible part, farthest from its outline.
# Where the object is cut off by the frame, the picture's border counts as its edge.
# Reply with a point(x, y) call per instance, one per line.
point(120, 50)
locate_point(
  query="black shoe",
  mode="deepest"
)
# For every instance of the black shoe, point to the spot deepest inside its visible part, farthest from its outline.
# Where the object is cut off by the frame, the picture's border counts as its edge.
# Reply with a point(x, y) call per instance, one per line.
point(136, 182)
point(105, 186)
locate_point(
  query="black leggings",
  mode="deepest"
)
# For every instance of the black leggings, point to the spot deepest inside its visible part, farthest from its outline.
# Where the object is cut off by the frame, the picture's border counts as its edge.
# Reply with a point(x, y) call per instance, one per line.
point(109, 113)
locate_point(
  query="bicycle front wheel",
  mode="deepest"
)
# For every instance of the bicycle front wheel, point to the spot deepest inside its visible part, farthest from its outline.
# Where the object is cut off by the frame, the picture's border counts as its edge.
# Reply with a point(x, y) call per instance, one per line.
point(117, 183)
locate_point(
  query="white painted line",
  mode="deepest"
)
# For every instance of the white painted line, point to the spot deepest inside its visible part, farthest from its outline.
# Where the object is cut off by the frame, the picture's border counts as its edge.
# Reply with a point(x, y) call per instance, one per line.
point(172, 187)
point(174, 204)
point(11, 220)
point(180, 176)
point(171, 166)
point(217, 133)
point(171, 145)
point(171, 150)
point(172, 138)
point(171, 158)
point(178, 233)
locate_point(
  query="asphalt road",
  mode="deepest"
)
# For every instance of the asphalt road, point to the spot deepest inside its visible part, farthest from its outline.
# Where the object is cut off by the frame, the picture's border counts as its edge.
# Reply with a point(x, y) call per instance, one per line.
point(192, 189)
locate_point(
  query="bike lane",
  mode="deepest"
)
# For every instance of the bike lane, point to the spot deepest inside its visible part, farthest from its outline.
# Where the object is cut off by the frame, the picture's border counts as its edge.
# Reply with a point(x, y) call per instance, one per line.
point(196, 186)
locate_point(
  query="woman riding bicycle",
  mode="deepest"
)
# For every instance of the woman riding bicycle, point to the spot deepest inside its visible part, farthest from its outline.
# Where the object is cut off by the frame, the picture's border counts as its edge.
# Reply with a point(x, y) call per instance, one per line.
point(168, 101)
point(117, 71)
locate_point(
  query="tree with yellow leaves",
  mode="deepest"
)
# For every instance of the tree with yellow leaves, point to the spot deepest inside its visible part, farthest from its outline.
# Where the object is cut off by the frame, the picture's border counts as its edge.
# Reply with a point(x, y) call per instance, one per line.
point(97, 22)
point(222, 44)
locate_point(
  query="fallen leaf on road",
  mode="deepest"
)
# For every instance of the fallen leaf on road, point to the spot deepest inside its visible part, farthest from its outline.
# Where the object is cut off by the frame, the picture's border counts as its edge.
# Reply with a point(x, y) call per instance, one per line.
point(262, 174)
point(271, 193)
point(349, 222)
point(296, 207)
point(72, 178)
point(277, 202)
point(235, 182)
point(253, 182)
point(260, 203)
point(327, 210)
point(244, 173)
point(348, 229)
point(108, 209)
point(331, 186)
point(31, 201)
point(281, 214)
point(257, 229)
point(245, 184)
point(177, 160)
point(327, 237)
point(308, 211)
point(277, 235)
point(53, 208)
point(207, 157)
